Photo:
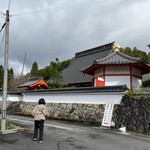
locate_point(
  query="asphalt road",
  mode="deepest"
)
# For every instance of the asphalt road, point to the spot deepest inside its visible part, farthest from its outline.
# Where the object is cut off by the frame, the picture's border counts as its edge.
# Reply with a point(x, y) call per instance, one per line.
point(60, 135)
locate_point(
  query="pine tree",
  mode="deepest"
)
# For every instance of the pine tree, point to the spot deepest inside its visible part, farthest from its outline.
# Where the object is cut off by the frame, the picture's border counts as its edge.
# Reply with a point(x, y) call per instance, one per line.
point(11, 80)
point(34, 70)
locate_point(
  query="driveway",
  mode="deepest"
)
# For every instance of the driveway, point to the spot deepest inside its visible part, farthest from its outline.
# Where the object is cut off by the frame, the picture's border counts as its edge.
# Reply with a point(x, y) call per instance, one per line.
point(59, 135)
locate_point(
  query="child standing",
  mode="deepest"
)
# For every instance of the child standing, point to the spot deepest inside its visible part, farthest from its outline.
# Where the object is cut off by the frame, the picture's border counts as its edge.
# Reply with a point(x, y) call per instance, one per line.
point(39, 112)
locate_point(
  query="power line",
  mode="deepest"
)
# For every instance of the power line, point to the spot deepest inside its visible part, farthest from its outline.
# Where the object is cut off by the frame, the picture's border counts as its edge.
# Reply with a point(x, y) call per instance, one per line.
point(80, 4)
point(64, 7)
point(2, 13)
point(2, 27)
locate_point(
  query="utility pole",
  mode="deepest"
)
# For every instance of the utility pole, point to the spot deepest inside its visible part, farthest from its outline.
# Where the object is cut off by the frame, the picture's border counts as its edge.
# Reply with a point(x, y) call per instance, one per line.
point(23, 64)
point(5, 81)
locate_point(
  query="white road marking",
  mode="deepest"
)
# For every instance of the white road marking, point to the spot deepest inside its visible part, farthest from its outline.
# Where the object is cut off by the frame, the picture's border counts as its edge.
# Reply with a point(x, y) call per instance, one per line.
point(50, 125)
point(123, 133)
point(118, 132)
point(26, 121)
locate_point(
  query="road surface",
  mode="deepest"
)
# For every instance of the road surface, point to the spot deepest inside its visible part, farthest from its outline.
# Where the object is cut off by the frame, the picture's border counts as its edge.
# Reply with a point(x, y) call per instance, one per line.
point(59, 135)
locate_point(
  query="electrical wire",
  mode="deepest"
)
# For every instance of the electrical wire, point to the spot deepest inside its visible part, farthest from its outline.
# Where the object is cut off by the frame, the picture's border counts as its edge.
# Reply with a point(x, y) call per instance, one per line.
point(64, 7)
point(80, 4)
point(2, 13)
point(3, 26)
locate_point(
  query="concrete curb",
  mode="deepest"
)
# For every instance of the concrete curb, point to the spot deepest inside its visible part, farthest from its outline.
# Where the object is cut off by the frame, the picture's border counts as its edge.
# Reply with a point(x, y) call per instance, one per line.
point(20, 129)
point(8, 131)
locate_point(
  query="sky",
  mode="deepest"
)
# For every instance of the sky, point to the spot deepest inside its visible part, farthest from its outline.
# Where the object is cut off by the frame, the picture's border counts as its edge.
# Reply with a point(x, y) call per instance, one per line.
point(43, 30)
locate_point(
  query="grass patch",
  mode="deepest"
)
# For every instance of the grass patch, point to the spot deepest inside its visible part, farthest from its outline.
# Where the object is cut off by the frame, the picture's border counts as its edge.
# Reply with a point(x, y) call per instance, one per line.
point(9, 125)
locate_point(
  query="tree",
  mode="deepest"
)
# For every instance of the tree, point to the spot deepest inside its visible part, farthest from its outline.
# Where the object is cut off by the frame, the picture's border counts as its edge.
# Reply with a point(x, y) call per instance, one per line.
point(149, 57)
point(11, 79)
point(52, 64)
point(128, 51)
point(136, 53)
point(45, 73)
point(64, 64)
point(18, 80)
point(57, 60)
point(146, 83)
point(34, 70)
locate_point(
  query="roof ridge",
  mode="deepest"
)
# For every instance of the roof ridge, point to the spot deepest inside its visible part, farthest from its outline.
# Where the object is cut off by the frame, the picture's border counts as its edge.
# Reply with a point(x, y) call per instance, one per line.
point(107, 57)
point(128, 57)
point(94, 50)
point(35, 78)
point(119, 53)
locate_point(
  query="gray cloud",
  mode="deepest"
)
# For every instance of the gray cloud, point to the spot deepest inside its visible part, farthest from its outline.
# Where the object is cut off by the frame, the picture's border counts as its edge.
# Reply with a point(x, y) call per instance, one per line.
point(54, 31)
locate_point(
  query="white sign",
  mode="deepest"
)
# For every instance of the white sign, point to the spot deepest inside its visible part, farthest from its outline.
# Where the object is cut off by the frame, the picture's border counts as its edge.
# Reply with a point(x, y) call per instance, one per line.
point(106, 122)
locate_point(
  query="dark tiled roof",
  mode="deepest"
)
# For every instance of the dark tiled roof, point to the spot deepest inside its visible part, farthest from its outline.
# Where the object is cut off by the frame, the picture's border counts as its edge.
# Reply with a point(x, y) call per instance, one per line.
point(30, 82)
point(104, 89)
point(73, 74)
point(117, 58)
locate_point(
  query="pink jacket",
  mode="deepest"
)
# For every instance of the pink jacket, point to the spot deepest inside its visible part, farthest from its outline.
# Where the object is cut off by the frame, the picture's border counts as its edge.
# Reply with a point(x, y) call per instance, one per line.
point(39, 112)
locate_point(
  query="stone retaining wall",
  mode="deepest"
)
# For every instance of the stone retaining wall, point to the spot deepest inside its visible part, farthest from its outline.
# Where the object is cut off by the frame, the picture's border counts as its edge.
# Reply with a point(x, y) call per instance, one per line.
point(134, 113)
point(91, 113)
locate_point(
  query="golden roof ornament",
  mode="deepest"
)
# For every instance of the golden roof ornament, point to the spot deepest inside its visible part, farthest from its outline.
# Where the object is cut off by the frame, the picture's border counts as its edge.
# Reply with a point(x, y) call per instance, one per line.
point(116, 48)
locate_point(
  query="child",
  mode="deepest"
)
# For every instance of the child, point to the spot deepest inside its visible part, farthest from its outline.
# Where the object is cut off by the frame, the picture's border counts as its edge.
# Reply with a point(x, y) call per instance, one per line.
point(39, 112)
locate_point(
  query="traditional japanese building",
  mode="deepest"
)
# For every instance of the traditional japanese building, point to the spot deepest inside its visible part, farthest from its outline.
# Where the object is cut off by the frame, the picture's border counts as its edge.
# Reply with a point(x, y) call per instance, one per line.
point(34, 84)
point(102, 66)
point(118, 69)
point(73, 75)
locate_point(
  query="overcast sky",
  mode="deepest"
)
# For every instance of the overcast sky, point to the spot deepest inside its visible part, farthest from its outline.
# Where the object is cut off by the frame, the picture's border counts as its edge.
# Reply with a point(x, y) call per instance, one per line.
point(49, 29)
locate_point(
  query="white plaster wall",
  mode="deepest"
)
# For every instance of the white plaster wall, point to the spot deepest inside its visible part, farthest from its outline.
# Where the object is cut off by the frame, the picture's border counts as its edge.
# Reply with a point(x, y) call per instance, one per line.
point(136, 83)
point(77, 98)
point(86, 98)
point(117, 70)
point(117, 80)
point(13, 97)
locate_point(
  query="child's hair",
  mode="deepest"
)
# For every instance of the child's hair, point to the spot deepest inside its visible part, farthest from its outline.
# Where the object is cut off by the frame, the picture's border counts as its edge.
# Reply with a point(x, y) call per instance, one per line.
point(41, 101)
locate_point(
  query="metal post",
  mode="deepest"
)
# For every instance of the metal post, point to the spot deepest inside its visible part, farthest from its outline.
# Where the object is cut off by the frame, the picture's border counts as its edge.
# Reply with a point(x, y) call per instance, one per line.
point(4, 100)
point(23, 64)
